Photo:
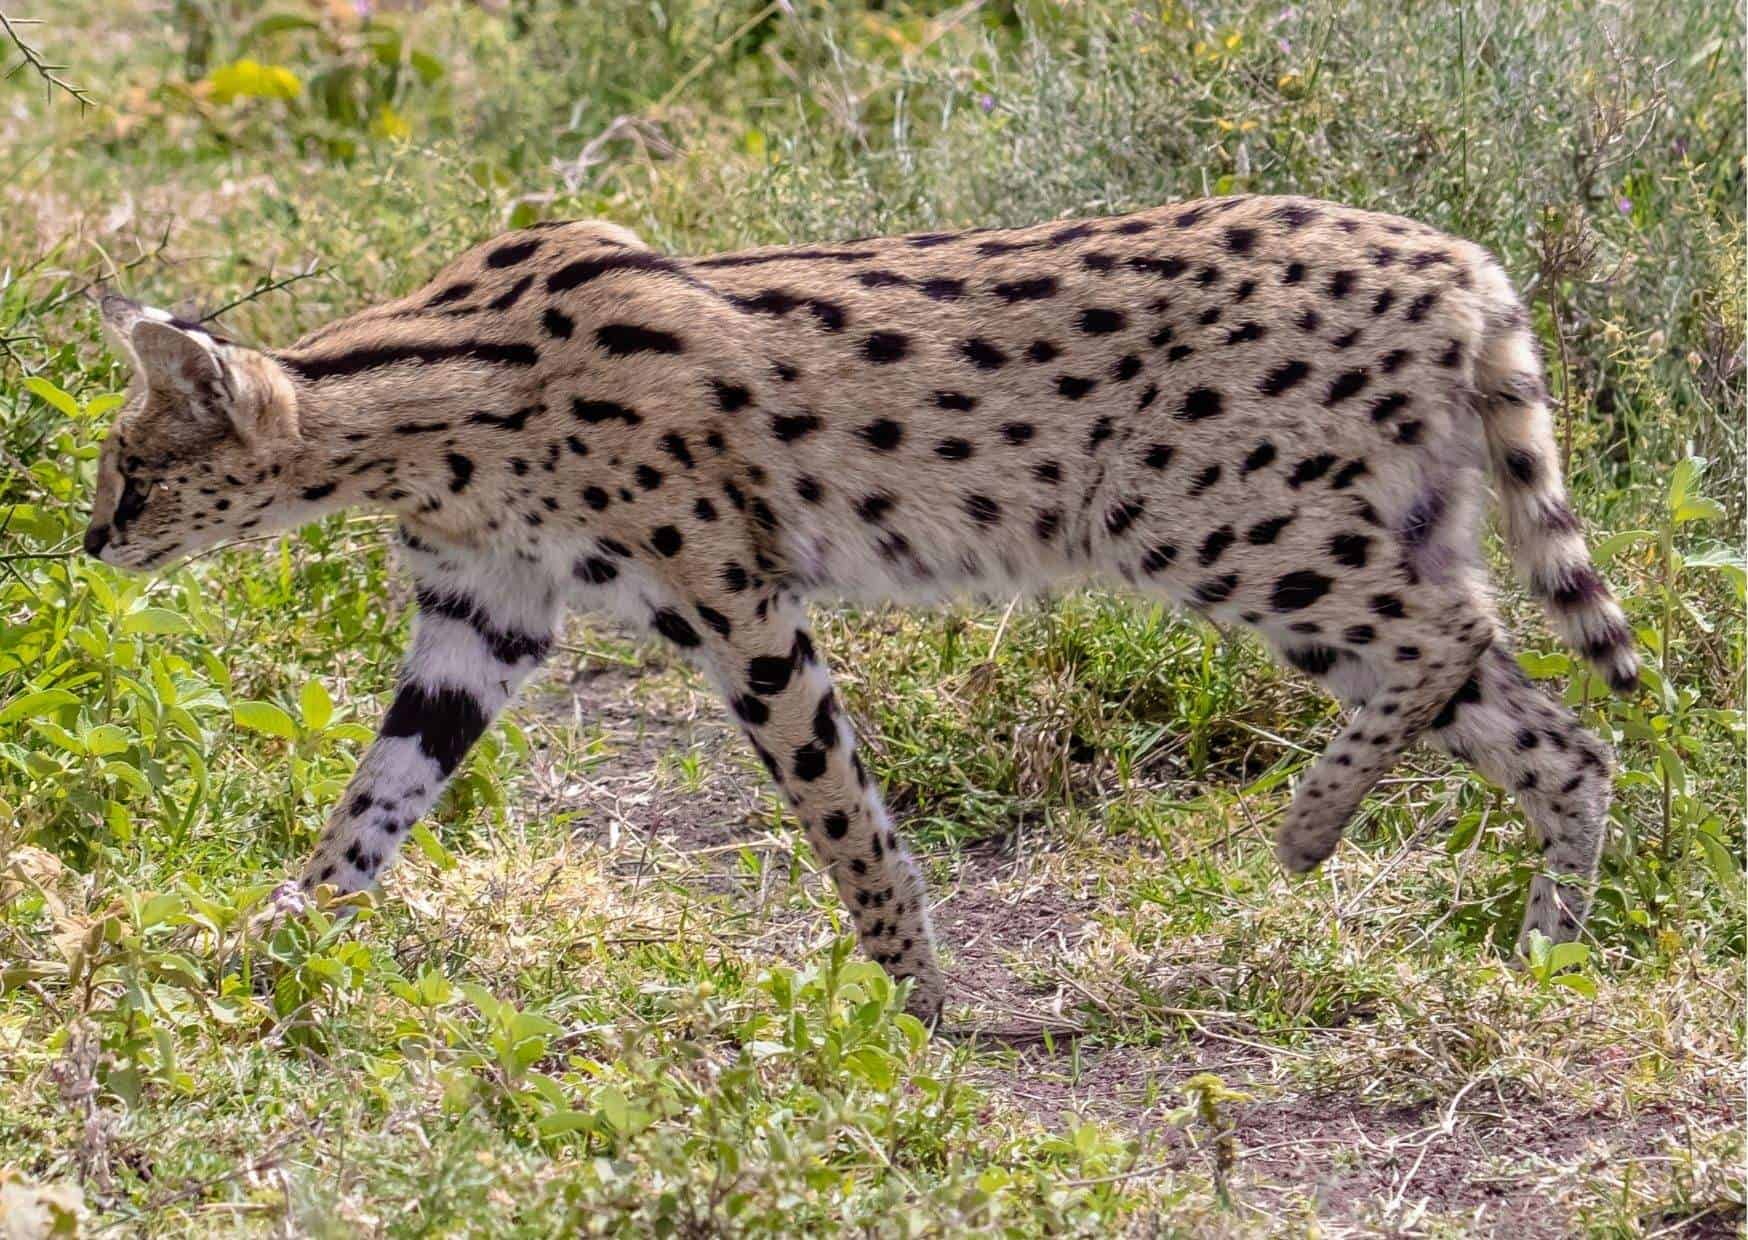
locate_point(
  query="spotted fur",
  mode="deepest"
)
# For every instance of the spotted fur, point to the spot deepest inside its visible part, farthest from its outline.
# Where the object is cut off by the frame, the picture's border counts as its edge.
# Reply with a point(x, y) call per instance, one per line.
point(1272, 411)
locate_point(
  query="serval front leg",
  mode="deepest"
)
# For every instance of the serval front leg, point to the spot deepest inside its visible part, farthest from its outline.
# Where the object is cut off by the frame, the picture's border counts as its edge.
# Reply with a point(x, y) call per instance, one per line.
point(483, 626)
point(756, 644)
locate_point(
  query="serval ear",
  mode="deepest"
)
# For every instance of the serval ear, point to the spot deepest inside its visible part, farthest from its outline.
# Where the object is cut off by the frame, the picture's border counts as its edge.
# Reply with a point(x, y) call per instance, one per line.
point(222, 386)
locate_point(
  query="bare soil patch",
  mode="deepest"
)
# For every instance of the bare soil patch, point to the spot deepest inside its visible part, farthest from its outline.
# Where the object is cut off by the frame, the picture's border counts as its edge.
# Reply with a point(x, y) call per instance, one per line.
point(1008, 911)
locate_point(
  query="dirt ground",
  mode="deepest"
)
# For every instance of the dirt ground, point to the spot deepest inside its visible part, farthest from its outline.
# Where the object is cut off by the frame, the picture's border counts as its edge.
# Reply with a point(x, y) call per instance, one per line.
point(1485, 1161)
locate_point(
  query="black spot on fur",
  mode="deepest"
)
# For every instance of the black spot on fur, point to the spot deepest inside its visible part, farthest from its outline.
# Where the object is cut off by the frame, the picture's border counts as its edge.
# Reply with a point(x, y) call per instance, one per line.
point(1468, 695)
point(460, 472)
point(1265, 532)
point(595, 411)
point(882, 434)
point(675, 627)
point(1310, 469)
point(984, 355)
point(1350, 549)
point(983, 510)
point(1217, 590)
point(666, 539)
point(1298, 590)
point(730, 397)
point(1204, 480)
point(1200, 403)
point(1159, 558)
point(882, 348)
point(621, 339)
point(1344, 477)
point(768, 675)
point(1260, 457)
point(1347, 384)
point(557, 323)
point(1074, 387)
point(958, 402)
point(1037, 288)
point(1121, 516)
point(1214, 546)
point(1099, 321)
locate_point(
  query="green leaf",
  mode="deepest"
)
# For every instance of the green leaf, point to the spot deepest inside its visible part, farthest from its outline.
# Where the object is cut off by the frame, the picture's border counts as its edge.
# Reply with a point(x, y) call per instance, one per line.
point(156, 620)
point(97, 406)
point(264, 717)
point(250, 79)
point(1721, 862)
point(1614, 544)
point(1577, 983)
point(431, 847)
point(556, 1123)
point(1463, 834)
point(1698, 509)
point(315, 705)
point(278, 23)
point(1567, 955)
point(32, 704)
point(53, 395)
point(873, 1065)
point(1543, 666)
point(105, 739)
point(1681, 480)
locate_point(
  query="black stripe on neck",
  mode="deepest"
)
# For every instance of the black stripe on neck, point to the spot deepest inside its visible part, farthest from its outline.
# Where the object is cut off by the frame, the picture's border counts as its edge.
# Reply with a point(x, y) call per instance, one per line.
point(356, 360)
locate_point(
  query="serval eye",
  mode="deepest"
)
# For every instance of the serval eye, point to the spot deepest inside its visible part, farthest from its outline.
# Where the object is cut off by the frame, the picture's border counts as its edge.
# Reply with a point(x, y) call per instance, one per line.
point(134, 492)
point(1263, 409)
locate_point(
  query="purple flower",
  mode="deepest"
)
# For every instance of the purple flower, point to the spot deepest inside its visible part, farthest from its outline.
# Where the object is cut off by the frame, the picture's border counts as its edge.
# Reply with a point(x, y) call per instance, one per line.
point(1624, 205)
point(987, 103)
point(362, 8)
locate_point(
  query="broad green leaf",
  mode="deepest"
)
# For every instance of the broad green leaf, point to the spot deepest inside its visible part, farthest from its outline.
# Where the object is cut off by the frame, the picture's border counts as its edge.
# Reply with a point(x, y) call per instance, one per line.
point(1566, 955)
point(105, 739)
point(31, 705)
point(315, 705)
point(614, 1109)
point(31, 521)
point(873, 1065)
point(264, 717)
point(1722, 559)
point(1721, 862)
point(97, 406)
point(1614, 544)
point(59, 736)
point(156, 620)
point(1463, 834)
point(1577, 983)
point(1542, 666)
point(1698, 508)
point(278, 23)
point(1681, 480)
point(250, 79)
point(556, 1123)
point(48, 392)
point(431, 847)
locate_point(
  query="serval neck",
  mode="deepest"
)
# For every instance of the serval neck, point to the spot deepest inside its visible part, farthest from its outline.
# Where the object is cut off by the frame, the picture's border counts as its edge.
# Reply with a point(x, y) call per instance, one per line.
point(381, 416)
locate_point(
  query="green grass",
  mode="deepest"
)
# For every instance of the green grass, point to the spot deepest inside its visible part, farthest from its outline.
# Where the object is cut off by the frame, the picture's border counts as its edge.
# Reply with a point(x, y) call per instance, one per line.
point(606, 990)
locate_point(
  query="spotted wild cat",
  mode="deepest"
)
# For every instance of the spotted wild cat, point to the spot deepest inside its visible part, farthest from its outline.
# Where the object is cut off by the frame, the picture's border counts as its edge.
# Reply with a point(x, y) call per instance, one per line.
point(1272, 411)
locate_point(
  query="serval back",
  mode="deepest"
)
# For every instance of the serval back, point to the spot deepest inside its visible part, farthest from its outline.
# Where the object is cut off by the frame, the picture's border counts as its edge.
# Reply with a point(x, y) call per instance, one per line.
point(1272, 411)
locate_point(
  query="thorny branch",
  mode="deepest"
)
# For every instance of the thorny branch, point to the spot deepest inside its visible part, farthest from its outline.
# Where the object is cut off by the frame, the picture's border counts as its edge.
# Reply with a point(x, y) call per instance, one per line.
point(50, 74)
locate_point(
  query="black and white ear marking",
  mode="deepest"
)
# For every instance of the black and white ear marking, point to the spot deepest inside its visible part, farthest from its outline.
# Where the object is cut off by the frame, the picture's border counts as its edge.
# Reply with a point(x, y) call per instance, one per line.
point(175, 358)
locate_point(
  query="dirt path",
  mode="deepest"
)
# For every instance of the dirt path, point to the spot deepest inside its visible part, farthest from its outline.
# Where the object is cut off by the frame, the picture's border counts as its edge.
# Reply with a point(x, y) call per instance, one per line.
point(1486, 1160)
